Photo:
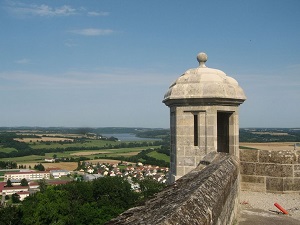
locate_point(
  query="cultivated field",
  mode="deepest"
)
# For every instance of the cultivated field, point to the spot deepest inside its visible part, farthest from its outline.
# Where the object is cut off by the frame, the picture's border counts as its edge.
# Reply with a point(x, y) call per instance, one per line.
point(62, 165)
point(271, 145)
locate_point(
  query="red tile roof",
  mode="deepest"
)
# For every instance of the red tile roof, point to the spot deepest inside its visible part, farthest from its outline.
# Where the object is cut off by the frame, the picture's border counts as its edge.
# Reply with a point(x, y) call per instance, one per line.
point(15, 187)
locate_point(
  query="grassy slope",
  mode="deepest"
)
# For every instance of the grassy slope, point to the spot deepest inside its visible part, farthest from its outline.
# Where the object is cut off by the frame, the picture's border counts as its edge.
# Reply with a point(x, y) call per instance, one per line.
point(159, 156)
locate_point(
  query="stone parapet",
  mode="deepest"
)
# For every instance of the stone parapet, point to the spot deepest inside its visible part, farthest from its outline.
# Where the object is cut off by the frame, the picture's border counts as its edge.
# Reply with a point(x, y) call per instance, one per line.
point(206, 195)
point(270, 171)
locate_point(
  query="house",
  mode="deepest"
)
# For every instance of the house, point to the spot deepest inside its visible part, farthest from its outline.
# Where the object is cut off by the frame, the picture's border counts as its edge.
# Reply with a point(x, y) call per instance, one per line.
point(59, 173)
point(33, 185)
point(23, 194)
point(27, 175)
point(13, 190)
point(89, 177)
point(51, 160)
point(90, 170)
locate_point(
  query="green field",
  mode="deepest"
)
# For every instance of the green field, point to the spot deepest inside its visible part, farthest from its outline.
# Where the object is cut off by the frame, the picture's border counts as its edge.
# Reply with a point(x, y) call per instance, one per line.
point(159, 156)
point(86, 144)
point(7, 150)
point(25, 159)
point(98, 153)
point(86, 153)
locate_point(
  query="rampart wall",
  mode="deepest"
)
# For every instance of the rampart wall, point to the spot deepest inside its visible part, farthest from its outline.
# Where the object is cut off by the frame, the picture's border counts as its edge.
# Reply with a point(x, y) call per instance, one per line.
point(206, 195)
point(270, 171)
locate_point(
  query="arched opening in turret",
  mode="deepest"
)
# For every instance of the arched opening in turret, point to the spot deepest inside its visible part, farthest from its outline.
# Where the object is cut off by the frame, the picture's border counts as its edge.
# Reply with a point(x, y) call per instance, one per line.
point(223, 131)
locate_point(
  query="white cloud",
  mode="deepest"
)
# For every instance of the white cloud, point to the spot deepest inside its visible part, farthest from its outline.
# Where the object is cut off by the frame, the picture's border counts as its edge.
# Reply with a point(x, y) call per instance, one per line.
point(40, 10)
point(92, 32)
point(93, 13)
point(23, 61)
point(44, 10)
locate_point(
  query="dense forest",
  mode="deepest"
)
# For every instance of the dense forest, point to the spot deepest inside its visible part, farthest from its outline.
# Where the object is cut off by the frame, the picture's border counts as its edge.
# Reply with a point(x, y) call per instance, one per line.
point(94, 202)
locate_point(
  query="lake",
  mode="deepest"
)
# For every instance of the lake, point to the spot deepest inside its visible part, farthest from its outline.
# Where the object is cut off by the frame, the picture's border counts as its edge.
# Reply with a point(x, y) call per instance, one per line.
point(129, 137)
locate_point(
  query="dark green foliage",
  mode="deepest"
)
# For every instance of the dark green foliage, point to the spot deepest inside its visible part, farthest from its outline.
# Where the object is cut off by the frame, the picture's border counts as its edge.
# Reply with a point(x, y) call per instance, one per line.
point(24, 182)
point(150, 186)
point(39, 167)
point(8, 183)
point(155, 133)
point(8, 165)
point(51, 207)
point(164, 150)
point(114, 191)
point(15, 198)
point(10, 215)
point(76, 203)
point(42, 185)
point(269, 135)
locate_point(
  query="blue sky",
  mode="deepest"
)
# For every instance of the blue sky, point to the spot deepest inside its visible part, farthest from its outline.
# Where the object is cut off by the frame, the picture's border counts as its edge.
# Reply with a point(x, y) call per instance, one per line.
point(102, 63)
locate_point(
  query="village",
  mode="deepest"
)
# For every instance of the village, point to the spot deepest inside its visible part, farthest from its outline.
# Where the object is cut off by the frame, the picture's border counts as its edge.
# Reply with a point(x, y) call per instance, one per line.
point(19, 184)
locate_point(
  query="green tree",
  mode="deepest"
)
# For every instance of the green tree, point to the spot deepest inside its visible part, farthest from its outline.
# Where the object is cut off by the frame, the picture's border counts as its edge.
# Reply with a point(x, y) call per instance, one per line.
point(8, 183)
point(15, 198)
point(50, 207)
point(114, 191)
point(39, 167)
point(42, 185)
point(150, 186)
point(10, 215)
point(24, 182)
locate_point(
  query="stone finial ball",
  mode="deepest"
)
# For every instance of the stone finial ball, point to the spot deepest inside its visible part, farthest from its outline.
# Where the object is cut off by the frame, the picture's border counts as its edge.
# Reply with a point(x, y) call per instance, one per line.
point(202, 57)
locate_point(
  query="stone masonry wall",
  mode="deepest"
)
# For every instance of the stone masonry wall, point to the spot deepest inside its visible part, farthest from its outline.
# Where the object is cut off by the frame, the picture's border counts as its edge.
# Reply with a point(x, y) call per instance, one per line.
point(270, 171)
point(207, 195)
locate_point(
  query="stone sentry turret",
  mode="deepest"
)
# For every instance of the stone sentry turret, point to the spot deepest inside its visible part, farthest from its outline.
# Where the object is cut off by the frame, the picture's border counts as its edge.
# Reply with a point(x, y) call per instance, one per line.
point(203, 116)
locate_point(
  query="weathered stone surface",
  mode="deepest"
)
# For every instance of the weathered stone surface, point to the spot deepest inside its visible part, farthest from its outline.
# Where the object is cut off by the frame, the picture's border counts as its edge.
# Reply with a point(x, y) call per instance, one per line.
point(253, 183)
point(274, 184)
point(279, 170)
point(282, 157)
point(257, 187)
point(274, 170)
point(205, 196)
point(248, 155)
point(252, 179)
point(248, 168)
point(297, 167)
point(297, 174)
point(291, 184)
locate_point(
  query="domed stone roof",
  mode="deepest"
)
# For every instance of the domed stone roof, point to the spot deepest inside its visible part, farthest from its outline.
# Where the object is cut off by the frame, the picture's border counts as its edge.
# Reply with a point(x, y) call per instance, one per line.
point(204, 85)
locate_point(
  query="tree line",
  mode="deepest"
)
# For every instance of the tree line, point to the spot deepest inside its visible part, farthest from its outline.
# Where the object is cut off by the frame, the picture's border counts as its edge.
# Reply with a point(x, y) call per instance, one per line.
point(8, 165)
point(75, 203)
point(269, 135)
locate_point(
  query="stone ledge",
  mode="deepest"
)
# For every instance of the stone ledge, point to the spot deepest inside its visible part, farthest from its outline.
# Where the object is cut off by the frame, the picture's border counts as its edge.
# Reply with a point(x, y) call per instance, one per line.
point(206, 195)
